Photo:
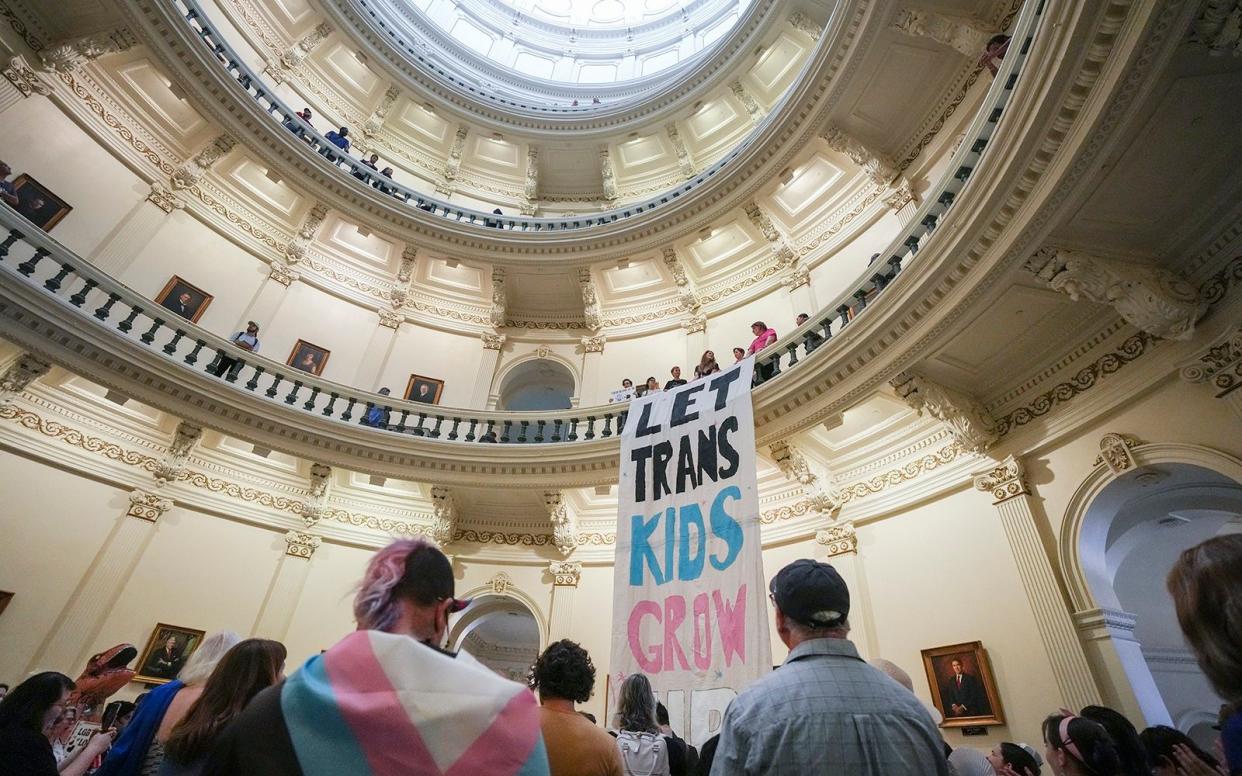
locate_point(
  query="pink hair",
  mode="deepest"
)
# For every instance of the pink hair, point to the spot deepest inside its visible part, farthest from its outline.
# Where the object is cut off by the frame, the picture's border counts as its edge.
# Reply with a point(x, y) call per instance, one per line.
point(375, 605)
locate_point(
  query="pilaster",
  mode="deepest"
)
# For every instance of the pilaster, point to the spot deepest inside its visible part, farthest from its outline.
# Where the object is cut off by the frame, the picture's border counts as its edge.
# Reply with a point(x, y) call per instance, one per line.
point(1125, 679)
point(268, 299)
point(565, 577)
point(841, 549)
point(1219, 366)
point(71, 640)
point(1012, 498)
point(285, 589)
point(492, 344)
point(592, 363)
point(379, 348)
point(118, 250)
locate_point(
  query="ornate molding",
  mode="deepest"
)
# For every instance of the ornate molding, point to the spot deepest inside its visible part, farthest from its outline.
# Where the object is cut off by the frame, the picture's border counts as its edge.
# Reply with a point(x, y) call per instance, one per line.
point(590, 301)
point(685, 163)
point(147, 506)
point(565, 573)
point(500, 298)
point(375, 122)
point(72, 53)
point(1154, 300)
point(594, 344)
point(1115, 453)
point(530, 187)
point(747, 100)
point(794, 465)
point(172, 467)
point(500, 583)
point(900, 475)
point(316, 507)
point(801, 22)
point(839, 538)
point(188, 175)
point(444, 515)
point(299, 544)
point(962, 35)
point(608, 175)
point(1216, 27)
point(295, 251)
point(1004, 481)
point(966, 418)
point(24, 78)
point(164, 198)
point(1220, 364)
point(21, 372)
point(564, 523)
point(879, 168)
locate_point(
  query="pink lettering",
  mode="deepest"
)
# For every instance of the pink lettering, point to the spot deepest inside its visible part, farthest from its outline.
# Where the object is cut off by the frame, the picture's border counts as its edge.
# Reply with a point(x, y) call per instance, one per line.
point(731, 622)
point(674, 616)
point(702, 623)
point(650, 660)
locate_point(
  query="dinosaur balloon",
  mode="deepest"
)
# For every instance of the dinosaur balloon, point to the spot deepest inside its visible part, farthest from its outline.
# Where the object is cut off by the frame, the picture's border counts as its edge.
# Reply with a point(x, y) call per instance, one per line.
point(105, 673)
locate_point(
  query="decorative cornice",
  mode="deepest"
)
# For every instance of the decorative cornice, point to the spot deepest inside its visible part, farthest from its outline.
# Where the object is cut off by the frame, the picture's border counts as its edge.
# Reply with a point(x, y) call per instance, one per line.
point(147, 506)
point(901, 474)
point(966, 418)
point(299, 544)
point(1004, 481)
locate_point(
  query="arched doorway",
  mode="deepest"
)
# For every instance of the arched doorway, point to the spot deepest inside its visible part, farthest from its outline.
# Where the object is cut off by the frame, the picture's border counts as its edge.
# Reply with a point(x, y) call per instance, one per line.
point(1130, 535)
point(535, 385)
point(500, 632)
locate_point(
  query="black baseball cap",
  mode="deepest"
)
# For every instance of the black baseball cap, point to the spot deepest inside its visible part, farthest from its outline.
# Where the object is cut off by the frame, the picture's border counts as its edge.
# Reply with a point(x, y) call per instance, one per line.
point(811, 593)
point(428, 578)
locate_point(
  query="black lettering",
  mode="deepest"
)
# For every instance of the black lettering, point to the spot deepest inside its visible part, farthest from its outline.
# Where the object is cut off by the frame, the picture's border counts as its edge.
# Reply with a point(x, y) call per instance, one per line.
point(640, 456)
point(707, 454)
point(726, 450)
point(680, 402)
point(720, 385)
point(659, 472)
point(685, 465)
point(643, 420)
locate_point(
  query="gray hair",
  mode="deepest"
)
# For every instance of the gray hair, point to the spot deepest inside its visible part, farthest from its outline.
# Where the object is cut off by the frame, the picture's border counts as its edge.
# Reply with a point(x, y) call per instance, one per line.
point(636, 707)
point(200, 664)
point(894, 671)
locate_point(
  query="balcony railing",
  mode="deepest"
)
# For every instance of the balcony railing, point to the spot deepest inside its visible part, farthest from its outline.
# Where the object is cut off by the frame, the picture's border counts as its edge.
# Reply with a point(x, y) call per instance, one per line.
point(257, 89)
point(31, 258)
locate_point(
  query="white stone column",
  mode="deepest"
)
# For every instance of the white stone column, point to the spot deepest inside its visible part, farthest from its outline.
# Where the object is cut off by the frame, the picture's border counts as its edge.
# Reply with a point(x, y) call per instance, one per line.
point(591, 391)
point(1125, 679)
point(1012, 498)
point(71, 641)
point(841, 544)
point(117, 251)
point(379, 348)
point(492, 345)
point(285, 589)
point(801, 299)
point(696, 343)
point(565, 577)
point(267, 301)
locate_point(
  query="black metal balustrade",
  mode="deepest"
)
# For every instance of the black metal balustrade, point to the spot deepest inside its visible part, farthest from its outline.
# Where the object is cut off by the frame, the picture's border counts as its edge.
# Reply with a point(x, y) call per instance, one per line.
point(258, 90)
point(29, 256)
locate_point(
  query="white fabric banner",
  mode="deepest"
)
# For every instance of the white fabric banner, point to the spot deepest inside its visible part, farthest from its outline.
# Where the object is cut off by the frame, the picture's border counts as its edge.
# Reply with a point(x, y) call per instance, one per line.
point(689, 600)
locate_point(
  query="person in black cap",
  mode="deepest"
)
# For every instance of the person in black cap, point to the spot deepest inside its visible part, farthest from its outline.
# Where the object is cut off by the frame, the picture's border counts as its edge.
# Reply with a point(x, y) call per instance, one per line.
point(825, 710)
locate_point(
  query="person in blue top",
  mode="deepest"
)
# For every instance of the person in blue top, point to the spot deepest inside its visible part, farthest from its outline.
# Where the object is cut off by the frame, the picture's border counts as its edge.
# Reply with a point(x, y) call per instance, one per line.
point(339, 138)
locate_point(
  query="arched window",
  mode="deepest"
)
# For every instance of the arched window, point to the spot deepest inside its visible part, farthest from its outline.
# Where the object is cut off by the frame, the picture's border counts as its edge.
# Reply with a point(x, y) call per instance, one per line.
point(538, 384)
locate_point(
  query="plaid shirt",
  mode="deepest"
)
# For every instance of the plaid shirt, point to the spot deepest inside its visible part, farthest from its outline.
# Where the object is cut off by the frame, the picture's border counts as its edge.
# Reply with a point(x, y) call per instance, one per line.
point(827, 711)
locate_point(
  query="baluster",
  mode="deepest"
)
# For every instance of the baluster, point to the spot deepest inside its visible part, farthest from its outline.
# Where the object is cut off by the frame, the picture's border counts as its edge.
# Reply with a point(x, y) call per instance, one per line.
point(622, 418)
point(490, 434)
point(191, 358)
point(539, 430)
point(253, 382)
point(419, 430)
point(504, 435)
point(912, 242)
point(405, 414)
point(880, 280)
point(435, 432)
point(235, 371)
point(28, 266)
point(79, 299)
point(826, 324)
point(348, 414)
point(171, 347)
point(53, 283)
point(895, 263)
point(556, 430)
point(573, 430)
point(293, 392)
point(103, 313)
point(775, 361)
point(525, 428)
point(310, 401)
point(366, 413)
point(452, 435)
point(13, 237)
point(590, 432)
point(470, 434)
point(331, 407)
point(149, 335)
point(861, 296)
point(128, 324)
point(607, 427)
point(271, 389)
point(792, 349)
point(844, 312)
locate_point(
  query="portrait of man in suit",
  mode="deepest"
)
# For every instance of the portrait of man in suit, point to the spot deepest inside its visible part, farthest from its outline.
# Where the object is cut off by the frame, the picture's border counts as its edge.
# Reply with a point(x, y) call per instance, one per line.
point(963, 694)
point(184, 299)
point(963, 690)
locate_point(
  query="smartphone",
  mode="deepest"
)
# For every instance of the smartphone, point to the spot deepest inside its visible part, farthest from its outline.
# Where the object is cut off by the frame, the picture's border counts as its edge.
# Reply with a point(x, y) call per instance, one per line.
point(109, 716)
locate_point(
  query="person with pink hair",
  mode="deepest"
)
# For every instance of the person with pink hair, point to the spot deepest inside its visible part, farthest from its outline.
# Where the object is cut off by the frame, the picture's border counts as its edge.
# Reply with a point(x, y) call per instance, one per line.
point(388, 698)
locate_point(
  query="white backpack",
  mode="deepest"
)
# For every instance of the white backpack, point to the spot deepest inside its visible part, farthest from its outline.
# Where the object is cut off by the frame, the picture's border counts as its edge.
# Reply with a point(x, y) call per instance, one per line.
point(643, 754)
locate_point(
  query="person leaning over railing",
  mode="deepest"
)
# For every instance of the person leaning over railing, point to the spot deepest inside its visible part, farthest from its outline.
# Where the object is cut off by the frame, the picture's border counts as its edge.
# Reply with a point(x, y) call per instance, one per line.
point(246, 340)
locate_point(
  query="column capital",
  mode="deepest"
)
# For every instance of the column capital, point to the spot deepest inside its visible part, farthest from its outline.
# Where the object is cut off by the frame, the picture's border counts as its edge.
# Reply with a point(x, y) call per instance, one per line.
point(839, 538)
point(390, 319)
point(1159, 302)
point(492, 341)
point(1220, 364)
point(24, 77)
point(594, 344)
point(1005, 481)
point(147, 506)
point(565, 573)
point(283, 274)
point(299, 544)
point(164, 198)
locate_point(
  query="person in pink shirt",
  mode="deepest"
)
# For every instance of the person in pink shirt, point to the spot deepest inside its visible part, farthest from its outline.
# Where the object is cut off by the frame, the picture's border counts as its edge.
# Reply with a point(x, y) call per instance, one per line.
point(764, 337)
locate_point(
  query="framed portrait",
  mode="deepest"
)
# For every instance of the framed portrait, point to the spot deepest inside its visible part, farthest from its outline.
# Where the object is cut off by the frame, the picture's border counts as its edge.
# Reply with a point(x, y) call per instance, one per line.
point(38, 204)
point(309, 358)
point(962, 687)
point(184, 299)
point(166, 652)
point(424, 389)
point(5, 597)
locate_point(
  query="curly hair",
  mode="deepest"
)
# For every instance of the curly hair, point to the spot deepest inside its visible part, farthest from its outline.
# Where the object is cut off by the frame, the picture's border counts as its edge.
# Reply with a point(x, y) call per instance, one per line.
point(564, 670)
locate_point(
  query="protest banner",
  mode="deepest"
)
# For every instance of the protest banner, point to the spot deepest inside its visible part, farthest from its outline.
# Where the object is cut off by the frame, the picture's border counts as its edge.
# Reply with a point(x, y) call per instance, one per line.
point(689, 600)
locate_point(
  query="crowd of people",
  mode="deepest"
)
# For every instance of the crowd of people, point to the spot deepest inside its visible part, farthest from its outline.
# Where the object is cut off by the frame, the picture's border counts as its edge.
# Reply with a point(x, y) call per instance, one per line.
point(389, 698)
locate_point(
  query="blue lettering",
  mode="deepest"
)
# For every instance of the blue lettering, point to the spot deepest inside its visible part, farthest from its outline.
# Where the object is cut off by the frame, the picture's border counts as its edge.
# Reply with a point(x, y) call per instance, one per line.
point(726, 528)
point(640, 532)
point(690, 568)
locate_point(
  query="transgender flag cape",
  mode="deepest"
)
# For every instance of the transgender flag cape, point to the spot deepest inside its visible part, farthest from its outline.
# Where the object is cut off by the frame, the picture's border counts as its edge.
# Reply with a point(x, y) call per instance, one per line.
point(378, 703)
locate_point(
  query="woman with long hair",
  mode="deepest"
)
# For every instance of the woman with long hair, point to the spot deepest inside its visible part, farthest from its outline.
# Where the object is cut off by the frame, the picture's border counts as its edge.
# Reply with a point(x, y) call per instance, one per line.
point(141, 748)
point(247, 668)
point(1206, 584)
point(1077, 746)
point(1011, 758)
point(26, 711)
point(640, 740)
point(707, 365)
point(1134, 759)
point(1173, 753)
